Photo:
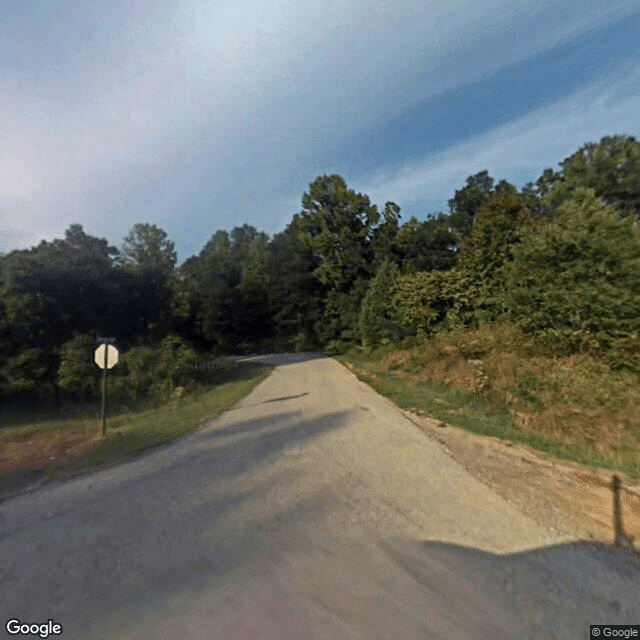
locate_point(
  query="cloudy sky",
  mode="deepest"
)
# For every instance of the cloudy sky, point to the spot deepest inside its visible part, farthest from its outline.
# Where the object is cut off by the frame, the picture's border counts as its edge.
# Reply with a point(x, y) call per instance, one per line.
point(201, 115)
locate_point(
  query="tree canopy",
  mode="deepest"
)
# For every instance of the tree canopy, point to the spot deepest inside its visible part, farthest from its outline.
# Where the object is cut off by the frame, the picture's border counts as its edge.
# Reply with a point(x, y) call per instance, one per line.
point(560, 257)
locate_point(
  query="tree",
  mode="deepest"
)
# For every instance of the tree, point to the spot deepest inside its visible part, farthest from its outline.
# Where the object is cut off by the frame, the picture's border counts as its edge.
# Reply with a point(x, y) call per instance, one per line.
point(543, 185)
point(337, 225)
point(376, 321)
point(498, 226)
point(574, 283)
point(296, 294)
point(57, 288)
point(466, 201)
point(429, 245)
point(150, 256)
point(98, 248)
point(227, 285)
point(424, 302)
point(610, 167)
point(148, 248)
point(211, 278)
point(384, 236)
point(77, 373)
point(49, 293)
point(256, 319)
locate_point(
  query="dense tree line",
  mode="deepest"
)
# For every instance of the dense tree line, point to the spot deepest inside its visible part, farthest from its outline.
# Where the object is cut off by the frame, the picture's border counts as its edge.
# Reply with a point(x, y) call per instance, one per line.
point(560, 257)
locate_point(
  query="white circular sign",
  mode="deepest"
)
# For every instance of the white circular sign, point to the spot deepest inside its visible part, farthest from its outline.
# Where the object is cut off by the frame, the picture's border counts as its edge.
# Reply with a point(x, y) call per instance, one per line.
point(112, 356)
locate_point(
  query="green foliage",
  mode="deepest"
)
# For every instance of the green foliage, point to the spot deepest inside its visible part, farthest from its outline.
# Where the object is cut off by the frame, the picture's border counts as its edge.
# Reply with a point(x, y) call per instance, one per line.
point(148, 248)
point(337, 226)
point(68, 287)
point(376, 321)
point(466, 201)
point(383, 237)
point(56, 289)
point(30, 370)
point(574, 282)
point(148, 260)
point(610, 167)
point(552, 257)
point(422, 301)
point(227, 290)
point(78, 374)
point(154, 371)
point(295, 293)
point(488, 249)
point(428, 245)
point(142, 365)
point(176, 354)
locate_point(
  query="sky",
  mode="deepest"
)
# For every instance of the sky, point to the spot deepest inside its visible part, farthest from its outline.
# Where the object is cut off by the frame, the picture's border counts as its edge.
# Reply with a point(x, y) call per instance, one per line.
point(202, 115)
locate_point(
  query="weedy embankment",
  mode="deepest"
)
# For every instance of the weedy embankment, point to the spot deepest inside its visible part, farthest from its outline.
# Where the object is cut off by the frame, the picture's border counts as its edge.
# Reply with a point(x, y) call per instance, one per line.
point(493, 381)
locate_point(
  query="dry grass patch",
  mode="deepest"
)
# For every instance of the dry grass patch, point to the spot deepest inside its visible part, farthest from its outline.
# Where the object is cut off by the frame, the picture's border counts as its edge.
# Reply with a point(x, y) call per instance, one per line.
point(45, 449)
point(396, 360)
point(578, 399)
point(54, 448)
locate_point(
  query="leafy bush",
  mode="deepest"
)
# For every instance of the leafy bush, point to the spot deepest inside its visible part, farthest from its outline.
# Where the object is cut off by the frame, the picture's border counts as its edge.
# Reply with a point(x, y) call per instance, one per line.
point(377, 323)
point(78, 374)
point(574, 283)
point(153, 371)
point(30, 371)
point(425, 303)
point(304, 341)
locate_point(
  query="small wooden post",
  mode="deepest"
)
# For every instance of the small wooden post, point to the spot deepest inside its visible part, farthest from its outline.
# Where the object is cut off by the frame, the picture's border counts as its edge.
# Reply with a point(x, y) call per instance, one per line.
point(617, 513)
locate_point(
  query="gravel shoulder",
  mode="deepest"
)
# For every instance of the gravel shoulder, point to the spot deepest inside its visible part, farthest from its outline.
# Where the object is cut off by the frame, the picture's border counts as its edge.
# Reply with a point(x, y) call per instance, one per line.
point(566, 497)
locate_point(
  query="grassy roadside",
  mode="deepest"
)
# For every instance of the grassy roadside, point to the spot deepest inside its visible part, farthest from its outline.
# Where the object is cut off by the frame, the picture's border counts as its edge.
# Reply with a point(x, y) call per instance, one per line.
point(52, 448)
point(409, 378)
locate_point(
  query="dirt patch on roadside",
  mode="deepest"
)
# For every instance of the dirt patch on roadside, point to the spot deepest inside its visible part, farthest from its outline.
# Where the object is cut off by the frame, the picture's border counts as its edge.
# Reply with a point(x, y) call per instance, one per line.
point(26, 463)
point(564, 496)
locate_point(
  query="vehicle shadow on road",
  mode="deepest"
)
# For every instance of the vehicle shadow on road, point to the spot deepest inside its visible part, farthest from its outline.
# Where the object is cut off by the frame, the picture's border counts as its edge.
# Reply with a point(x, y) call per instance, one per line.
point(556, 591)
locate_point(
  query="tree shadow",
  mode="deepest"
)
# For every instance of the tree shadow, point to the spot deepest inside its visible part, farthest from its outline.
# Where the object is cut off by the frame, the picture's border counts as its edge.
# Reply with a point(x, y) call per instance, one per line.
point(170, 521)
point(283, 359)
point(300, 395)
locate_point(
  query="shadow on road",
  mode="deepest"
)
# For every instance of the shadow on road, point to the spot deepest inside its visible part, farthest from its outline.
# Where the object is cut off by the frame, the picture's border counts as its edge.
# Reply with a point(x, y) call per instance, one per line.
point(280, 359)
point(556, 591)
point(300, 395)
point(145, 525)
point(275, 432)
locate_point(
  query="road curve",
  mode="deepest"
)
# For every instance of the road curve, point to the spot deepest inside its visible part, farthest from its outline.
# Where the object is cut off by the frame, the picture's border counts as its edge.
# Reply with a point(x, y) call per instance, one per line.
point(312, 509)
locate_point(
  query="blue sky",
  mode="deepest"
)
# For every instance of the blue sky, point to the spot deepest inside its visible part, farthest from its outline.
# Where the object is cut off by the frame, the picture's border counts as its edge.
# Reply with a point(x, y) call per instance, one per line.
point(199, 115)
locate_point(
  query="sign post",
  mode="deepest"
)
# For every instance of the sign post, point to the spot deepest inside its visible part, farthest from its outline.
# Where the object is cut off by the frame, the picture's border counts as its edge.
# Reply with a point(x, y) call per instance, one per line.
point(106, 357)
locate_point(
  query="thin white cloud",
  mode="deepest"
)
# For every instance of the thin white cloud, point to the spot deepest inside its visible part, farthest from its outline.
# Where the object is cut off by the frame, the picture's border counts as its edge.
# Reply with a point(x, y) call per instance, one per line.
point(161, 94)
point(520, 148)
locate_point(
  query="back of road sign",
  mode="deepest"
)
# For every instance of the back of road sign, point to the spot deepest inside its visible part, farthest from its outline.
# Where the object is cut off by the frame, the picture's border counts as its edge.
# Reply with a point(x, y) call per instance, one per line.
point(112, 356)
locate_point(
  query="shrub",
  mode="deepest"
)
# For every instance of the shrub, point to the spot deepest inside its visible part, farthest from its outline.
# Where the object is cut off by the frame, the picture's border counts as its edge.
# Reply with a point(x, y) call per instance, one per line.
point(574, 283)
point(376, 322)
point(78, 374)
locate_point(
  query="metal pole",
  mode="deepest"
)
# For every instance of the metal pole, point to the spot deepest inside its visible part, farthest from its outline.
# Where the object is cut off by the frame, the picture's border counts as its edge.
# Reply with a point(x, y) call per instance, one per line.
point(617, 512)
point(104, 392)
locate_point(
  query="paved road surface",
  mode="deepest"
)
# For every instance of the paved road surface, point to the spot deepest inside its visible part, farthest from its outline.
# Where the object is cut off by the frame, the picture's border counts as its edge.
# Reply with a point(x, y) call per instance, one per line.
point(313, 509)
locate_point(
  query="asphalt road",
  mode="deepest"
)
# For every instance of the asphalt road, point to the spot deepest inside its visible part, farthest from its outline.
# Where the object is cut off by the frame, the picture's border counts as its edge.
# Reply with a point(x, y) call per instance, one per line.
point(312, 509)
